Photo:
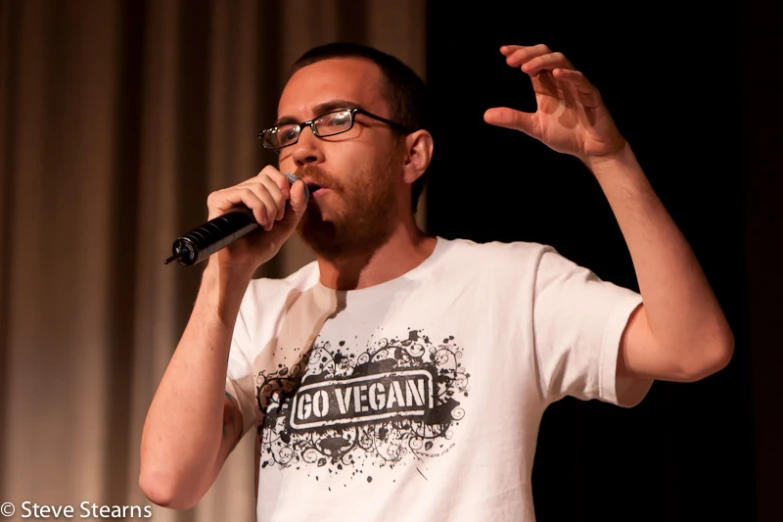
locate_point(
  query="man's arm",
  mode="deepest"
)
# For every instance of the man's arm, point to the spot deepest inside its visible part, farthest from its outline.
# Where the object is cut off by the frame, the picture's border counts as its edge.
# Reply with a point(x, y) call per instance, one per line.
point(193, 424)
point(680, 332)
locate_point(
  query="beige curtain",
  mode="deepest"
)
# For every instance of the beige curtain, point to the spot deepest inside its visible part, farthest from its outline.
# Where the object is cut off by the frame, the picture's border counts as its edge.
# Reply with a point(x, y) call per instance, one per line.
point(117, 118)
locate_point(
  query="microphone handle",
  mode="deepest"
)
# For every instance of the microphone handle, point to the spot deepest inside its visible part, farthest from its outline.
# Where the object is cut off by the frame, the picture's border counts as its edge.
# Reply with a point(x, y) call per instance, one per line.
point(202, 242)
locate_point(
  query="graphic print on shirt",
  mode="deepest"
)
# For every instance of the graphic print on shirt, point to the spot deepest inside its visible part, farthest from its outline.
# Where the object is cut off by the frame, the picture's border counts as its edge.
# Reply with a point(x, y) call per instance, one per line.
point(392, 403)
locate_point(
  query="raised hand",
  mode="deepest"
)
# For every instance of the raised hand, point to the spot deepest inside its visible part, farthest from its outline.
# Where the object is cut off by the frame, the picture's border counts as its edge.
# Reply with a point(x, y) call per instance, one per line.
point(570, 117)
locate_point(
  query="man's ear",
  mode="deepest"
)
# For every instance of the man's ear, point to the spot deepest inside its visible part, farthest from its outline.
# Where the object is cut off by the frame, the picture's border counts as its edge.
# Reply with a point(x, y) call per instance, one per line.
point(418, 154)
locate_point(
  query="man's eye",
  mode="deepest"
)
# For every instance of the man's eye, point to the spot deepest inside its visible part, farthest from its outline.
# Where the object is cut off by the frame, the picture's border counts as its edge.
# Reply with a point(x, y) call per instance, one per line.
point(287, 133)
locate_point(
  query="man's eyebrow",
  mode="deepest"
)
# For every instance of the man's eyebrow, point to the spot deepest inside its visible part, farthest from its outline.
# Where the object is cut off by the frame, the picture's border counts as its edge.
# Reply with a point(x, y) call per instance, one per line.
point(321, 108)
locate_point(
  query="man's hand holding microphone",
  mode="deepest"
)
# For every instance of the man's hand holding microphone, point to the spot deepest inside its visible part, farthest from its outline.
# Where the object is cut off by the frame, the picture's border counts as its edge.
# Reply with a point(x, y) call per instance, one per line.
point(271, 201)
point(277, 206)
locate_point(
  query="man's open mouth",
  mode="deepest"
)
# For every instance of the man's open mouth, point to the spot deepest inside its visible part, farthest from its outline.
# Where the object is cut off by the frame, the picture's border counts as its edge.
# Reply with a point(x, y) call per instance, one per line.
point(313, 188)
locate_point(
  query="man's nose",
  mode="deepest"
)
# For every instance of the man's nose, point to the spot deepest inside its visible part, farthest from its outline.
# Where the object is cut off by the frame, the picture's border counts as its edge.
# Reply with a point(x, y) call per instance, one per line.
point(308, 148)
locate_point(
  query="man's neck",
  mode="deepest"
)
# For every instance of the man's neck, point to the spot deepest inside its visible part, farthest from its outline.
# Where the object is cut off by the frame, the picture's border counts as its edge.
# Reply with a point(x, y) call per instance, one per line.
point(406, 248)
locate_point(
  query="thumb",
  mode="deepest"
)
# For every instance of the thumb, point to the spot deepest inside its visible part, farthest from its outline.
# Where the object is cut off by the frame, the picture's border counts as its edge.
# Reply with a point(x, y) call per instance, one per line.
point(511, 119)
point(294, 210)
point(298, 197)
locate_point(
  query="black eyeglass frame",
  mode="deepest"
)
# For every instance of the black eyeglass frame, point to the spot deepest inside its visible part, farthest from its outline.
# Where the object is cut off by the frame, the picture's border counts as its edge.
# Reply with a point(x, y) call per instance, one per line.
point(353, 111)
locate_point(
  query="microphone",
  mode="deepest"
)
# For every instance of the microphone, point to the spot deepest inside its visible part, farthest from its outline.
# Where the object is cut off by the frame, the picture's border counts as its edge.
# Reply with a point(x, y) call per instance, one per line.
point(217, 233)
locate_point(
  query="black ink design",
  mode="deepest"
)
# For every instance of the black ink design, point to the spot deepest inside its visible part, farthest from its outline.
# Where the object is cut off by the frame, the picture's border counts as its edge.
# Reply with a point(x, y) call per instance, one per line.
point(392, 404)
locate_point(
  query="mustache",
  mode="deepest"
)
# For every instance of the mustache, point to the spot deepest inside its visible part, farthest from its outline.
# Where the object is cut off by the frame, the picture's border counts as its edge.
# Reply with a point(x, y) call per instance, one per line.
point(318, 175)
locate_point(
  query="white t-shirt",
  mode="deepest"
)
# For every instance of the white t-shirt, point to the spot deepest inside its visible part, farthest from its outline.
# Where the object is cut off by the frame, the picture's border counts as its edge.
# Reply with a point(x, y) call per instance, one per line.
point(421, 397)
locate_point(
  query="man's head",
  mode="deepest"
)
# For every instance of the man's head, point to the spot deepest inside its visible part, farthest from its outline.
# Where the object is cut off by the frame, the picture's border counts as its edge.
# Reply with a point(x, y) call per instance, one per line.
point(370, 169)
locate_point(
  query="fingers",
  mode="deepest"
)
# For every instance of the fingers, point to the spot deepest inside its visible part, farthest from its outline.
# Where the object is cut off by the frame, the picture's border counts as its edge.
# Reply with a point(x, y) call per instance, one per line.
point(271, 193)
point(225, 200)
point(546, 62)
point(534, 59)
point(511, 119)
point(265, 195)
point(584, 91)
point(516, 55)
point(274, 206)
point(271, 173)
point(508, 50)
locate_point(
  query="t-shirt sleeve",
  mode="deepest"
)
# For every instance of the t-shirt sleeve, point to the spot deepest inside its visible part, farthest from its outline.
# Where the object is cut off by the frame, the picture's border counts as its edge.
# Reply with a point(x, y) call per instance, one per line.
point(578, 322)
point(240, 381)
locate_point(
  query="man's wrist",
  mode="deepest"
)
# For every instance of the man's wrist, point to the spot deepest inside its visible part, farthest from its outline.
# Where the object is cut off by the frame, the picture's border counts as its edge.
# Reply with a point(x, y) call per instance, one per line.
point(224, 288)
point(227, 275)
point(622, 158)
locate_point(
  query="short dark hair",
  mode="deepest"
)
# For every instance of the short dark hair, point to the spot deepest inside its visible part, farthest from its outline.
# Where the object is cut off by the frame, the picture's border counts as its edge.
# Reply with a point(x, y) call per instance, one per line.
point(405, 91)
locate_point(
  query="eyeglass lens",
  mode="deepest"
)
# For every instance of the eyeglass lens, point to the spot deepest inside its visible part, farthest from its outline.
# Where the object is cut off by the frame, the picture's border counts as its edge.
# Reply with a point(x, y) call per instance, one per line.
point(326, 125)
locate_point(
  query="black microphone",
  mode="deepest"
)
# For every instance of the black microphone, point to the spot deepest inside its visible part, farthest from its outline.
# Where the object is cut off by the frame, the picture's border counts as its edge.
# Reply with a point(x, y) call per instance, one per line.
point(217, 233)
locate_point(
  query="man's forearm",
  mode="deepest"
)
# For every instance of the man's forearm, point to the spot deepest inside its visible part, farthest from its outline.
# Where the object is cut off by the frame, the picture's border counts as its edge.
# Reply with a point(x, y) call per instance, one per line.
point(682, 311)
point(184, 427)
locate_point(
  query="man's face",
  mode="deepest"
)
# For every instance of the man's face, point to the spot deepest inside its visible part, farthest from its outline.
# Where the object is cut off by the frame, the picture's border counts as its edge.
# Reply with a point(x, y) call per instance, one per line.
point(359, 168)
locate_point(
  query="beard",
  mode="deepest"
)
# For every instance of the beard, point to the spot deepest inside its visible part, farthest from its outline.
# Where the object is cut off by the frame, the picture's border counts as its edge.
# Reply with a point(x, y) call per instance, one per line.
point(358, 218)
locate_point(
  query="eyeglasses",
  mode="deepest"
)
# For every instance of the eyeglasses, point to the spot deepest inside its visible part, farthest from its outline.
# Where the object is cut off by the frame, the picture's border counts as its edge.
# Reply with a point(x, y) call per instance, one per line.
point(329, 124)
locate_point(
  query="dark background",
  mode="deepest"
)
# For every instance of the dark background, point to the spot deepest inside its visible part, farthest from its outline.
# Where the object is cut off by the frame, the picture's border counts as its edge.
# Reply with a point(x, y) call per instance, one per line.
point(696, 93)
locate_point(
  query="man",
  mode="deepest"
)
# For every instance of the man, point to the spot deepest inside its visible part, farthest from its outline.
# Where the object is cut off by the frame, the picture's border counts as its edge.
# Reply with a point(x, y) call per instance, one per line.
point(403, 376)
